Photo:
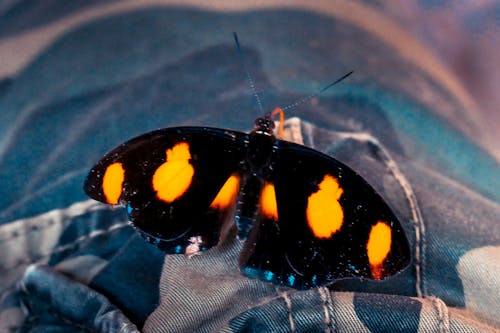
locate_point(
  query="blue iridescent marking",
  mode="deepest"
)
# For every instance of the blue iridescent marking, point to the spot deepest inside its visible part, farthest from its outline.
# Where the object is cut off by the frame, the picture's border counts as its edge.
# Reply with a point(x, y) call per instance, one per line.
point(243, 224)
point(178, 249)
point(251, 272)
point(268, 275)
point(157, 241)
point(351, 267)
point(129, 209)
point(291, 280)
point(314, 279)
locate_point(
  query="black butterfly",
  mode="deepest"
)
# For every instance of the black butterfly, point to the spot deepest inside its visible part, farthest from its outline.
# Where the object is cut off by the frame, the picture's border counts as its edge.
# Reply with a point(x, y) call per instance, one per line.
point(306, 218)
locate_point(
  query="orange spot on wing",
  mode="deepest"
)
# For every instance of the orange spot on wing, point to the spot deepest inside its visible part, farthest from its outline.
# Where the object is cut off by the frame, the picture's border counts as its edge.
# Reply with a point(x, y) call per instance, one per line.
point(378, 247)
point(227, 194)
point(268, 204)
point(112, 182)
point(172, 179)
point(324, 212)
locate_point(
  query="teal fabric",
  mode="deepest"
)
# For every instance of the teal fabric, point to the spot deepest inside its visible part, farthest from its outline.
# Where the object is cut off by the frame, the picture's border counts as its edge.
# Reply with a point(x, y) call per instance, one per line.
point(70, 264)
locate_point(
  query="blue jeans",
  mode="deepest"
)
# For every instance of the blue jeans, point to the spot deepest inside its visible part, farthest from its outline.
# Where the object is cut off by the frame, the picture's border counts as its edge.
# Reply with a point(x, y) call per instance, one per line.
point(71, 264)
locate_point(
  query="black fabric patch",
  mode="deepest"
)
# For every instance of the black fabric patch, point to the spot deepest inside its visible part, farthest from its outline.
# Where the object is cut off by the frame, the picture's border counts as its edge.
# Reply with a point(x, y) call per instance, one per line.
point(132, 278)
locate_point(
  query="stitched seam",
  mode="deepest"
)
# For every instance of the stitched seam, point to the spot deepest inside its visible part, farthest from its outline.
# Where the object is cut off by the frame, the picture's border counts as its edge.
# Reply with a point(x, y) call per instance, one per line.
point(29, 229)
point(417, 219)
point(288, 303)
point(61, 248)
point(442, 315)
point(48, 219)
point(327, 309)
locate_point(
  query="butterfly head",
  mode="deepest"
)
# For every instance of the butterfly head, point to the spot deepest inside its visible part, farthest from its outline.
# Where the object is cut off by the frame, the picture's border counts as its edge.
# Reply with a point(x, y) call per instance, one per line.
point(264, 125)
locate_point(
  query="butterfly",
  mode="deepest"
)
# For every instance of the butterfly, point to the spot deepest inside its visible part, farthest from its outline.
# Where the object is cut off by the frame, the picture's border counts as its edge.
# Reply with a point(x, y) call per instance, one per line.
point(306, 219)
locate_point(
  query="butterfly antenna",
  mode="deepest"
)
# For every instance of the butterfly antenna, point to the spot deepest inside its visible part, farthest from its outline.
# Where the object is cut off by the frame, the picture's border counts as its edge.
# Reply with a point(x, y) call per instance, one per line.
point(249, 77)
point(305, 99)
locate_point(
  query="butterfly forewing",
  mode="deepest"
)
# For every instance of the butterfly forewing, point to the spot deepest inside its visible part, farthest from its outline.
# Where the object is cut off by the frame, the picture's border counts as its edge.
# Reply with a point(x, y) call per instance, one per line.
point(179, 185)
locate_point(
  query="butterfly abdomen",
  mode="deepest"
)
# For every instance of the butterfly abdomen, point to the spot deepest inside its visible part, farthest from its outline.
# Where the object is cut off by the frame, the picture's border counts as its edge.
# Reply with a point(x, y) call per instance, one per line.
point(248, 204)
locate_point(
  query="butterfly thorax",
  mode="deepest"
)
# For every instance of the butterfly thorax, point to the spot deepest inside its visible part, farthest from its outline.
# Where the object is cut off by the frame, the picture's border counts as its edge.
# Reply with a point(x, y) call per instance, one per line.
point(260, 146)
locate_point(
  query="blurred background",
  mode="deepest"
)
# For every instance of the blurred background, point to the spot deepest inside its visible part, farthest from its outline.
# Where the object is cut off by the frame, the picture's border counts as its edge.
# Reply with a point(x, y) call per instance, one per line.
point(79, 77)
point(462, 35)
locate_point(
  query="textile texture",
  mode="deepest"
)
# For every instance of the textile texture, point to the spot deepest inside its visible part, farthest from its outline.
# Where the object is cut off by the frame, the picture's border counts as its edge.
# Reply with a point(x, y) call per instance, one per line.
point(91, 75)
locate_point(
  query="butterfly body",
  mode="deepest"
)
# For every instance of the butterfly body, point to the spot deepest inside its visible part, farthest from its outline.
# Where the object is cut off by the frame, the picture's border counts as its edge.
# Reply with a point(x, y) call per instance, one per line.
point(305, 218)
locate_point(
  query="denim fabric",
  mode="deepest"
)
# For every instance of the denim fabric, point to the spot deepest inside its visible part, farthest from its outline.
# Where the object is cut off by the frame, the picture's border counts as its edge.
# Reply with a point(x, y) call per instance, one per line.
point(71, 264)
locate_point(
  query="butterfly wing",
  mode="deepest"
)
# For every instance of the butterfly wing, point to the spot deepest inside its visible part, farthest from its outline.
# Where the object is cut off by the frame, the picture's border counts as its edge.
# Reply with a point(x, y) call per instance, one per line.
point(318, 222)
point(180, 185)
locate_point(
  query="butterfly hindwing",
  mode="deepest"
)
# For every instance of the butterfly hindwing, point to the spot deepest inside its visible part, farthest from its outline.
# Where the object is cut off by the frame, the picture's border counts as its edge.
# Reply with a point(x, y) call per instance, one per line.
point(329, 224)
point(180, 185)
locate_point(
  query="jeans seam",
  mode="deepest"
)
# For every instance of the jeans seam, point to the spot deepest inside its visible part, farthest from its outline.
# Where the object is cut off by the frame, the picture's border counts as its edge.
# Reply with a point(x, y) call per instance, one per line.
point(288, 303)
point(46, 220)
point(61, 248)
point(442, 315)
point(327, 309)
point(416, 215)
